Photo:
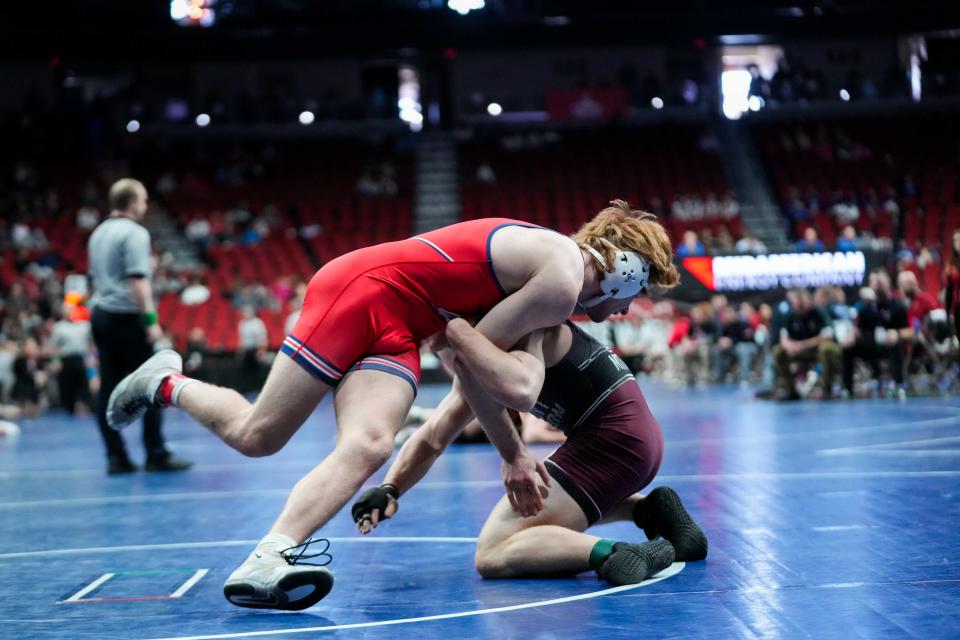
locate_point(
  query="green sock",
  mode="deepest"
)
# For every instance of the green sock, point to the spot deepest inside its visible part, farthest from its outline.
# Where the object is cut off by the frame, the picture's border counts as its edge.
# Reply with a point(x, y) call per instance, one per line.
point(600, 552)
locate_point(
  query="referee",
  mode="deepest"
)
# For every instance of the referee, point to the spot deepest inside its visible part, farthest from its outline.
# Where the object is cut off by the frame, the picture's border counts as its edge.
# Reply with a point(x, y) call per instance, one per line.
point(124, 319)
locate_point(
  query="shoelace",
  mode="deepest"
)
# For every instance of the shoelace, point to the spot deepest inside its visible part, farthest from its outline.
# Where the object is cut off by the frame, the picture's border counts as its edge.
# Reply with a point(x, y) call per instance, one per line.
point(298, 553)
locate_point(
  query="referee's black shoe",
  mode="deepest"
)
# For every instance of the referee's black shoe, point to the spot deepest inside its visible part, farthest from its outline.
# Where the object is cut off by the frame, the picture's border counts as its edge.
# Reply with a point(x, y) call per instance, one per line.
point(166, 462)
point(117, 465)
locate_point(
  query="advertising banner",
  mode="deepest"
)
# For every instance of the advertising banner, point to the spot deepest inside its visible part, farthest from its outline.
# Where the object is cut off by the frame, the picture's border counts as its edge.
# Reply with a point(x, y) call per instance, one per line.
point(768, 276)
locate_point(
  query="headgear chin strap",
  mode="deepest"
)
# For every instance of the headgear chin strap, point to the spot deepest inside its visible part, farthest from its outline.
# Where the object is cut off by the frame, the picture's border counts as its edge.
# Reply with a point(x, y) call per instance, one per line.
point(627, 280)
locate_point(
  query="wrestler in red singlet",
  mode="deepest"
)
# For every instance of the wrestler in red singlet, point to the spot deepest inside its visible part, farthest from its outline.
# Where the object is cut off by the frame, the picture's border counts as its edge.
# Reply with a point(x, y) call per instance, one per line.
point(370, 308)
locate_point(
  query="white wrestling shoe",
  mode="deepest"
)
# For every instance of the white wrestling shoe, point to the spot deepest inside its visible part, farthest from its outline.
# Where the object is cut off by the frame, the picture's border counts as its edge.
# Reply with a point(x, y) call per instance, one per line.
point(138, 391)
point(270, 577)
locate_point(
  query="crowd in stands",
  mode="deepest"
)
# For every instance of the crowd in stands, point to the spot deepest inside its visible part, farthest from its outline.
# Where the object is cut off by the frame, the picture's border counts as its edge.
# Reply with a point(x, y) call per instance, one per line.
point(259, 218)
point(237, 231)
point(889, 179)
point(886, 338)
point(558, 178)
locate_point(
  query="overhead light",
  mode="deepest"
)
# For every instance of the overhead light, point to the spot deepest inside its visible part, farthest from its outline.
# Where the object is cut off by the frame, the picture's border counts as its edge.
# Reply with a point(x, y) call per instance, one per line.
point(463, 7)
point(656, 103)
point(179, 9)
point(133, 126)
point(844, 95)
point(203, 120)
point(193, 13)
point(494, 109)
point(306, 117)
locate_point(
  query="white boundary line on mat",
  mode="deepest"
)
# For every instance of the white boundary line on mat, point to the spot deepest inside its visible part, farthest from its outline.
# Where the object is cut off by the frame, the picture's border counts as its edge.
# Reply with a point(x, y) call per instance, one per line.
point(670, 571)
point(717, 477)
point(214, 543)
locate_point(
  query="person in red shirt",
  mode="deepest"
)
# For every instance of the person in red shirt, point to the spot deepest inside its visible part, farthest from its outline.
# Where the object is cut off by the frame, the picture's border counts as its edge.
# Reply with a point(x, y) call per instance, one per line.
point(951, 282)
point(921, 303)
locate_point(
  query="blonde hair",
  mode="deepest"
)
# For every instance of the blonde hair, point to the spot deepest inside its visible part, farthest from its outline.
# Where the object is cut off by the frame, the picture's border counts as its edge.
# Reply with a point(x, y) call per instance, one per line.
point(619, 228)
point(123, 193)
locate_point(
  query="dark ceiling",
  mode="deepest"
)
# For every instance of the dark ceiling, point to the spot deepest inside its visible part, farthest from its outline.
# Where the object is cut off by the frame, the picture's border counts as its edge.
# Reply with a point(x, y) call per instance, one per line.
point(257, 29)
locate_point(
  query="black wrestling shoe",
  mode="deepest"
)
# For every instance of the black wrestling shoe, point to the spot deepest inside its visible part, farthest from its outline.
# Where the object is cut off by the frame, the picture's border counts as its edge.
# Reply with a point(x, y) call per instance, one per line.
point(633, 563)
point(662, 513)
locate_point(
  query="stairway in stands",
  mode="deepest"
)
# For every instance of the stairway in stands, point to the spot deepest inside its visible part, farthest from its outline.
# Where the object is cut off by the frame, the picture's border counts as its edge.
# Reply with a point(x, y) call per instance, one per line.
point(437, 182)
point(759, 208)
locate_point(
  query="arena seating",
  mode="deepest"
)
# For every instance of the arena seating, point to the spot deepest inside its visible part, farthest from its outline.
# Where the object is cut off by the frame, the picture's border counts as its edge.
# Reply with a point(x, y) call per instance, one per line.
point(561, 185)
point(312, 186)
point(862, 160)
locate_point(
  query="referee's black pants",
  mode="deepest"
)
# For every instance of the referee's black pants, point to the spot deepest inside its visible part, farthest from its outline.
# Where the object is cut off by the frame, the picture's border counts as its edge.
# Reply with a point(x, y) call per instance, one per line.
point(122, 345)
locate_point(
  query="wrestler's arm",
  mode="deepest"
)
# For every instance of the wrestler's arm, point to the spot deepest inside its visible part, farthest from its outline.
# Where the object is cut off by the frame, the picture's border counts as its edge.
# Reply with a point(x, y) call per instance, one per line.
point(524, 368)
point(422, 449)
point(546, 300)
point(512, 379)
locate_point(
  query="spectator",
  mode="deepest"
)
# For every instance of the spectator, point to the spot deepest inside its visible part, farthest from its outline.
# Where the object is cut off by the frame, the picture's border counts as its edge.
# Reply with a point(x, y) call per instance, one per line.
point(72, 341)
point(730, 207)
point(165, 282)
point(805, 337)
point(797, 209)
point(724, 241)
point(890, 205)
point(679, 210)
point(841, 314)
point(29, 377)
point(8, 354)
point(252, 345)
point(919, 306)
point(696, 208)
point(166, 184)
point(485, 174)
point(919, 302)
point(195, 293)
point(282, 289)
point(848, 240)
point(88, 217)
point(951, 282)
point(692, 339)
point(846, 211)
point(764, 332)
point(735, 342)
point(712, 207)
point(239, 214)
point(200, 233)
point(242, 294)
point(810, 241)
point(166, 341)
point(296, 305)
point(691, 245)
point(749, 243)
point(877, 334)
point(194, 362)
point(707, 240)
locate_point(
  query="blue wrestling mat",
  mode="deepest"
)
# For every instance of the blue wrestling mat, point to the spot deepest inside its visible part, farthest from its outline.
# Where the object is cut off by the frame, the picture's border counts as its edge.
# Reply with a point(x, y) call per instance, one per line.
point(825, 520)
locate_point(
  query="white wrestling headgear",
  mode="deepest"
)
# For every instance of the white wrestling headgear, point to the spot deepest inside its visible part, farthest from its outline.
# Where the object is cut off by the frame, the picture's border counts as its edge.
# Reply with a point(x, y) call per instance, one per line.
point(627, 280)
